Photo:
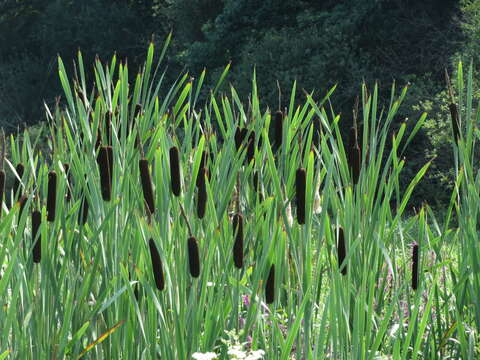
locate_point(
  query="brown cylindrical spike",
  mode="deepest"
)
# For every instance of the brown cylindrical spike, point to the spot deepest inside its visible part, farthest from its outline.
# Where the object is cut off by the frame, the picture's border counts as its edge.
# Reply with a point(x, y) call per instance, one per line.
point(203, 164)
point(20, 169)
point(300, 186)
point(175, 171)
point(193, 257)
point(277, 130)
point(146, 185)
point(51, 196)
point(156, 266)
point(354, 156)
point(36, 236)
point(341, 250)
point(415, 267)
point(270, 286)
point(105, 165)
point(455, 121)
point(108, 127)
point(202, 194)
point(238, 245)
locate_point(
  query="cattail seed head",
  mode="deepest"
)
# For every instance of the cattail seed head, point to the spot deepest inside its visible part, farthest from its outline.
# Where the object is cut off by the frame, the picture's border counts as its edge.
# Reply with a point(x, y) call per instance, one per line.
point(105, 165)
point(51, 195)
point(20, 169)
point(146, 185)
point(108, 127)
point(36, 236)
point(354, 156)
point(300, 186)
point(455, 121)
point(202, 194)
point(270, 286)
point(277, 130)
point(156, 265)
point(238, 245)
point(175, 171)
point(415, 266)
point(240, 136)
point(341, 250)
point(193, 257)
point(203, 164)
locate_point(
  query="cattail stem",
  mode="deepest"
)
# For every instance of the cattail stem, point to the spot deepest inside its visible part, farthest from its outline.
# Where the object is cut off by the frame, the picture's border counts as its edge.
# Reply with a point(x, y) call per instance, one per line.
point(300, 186)
point(146, 185)
point(415, 266)
point(202, 194)
point(36, 236)
point(238, 245)
point(105, 165)
point(156, 266)
point(193, 257)
point(270, 286)
point(51, 196)
point(341, 250)
point(175, 171)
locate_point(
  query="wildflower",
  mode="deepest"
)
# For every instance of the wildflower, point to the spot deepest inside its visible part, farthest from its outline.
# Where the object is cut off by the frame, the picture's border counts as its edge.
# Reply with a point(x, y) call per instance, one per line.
point(255, 355)
point(245, 300)
point(204, 356)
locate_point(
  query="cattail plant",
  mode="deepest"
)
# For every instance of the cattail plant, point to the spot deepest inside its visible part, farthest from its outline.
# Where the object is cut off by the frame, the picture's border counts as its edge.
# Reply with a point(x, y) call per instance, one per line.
point(20, 169)
point(156, 265)
point(415, 266)
point(175, 171)
point(51, 195)
point(270, 286)
point(146, 185)
point(341, 250)
point(238, 245)
point(36, 236)
point(202, 194)
point(68, 181)
point(193, 257)
point(277, 130)
point(105, 165)
point(300, 186)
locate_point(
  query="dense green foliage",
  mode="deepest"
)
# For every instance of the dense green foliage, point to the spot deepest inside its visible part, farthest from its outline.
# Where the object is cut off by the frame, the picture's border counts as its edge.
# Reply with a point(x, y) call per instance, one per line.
point(316, 43)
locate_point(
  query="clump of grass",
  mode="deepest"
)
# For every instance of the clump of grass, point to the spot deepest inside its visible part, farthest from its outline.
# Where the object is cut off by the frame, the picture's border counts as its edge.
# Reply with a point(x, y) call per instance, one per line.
point(270, 286)
point(51, 196)
point(415, 266)
point(193, 257)
point(36, 236)
point(341, 250)
point(175, 171)
point(300, 187)
point(202, 194)
point(156, 265)
point(105, 165)
point(146, 185)
point(238, 245)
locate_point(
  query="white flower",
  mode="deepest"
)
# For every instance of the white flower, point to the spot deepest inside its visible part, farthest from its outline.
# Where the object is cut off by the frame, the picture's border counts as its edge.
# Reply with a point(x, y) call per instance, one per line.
point(237, 353)
point(204, 356)
point(255, 355)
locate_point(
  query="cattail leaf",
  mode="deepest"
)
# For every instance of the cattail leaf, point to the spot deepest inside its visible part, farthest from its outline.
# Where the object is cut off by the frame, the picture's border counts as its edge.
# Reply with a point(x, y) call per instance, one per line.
point(175, 170)
point(193, 257)
point(68, 181)
point(51, 196)
point(300, 187)
point(146, 185)
point(238, 245)
point(156, 265)
point(83, 213)
point(36, 236)
point(20, 169)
